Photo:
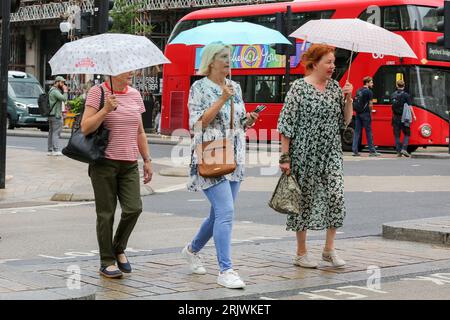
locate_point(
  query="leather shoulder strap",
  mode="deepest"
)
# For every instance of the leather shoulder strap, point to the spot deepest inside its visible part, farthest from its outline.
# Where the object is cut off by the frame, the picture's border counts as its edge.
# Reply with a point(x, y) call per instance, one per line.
point(102, 98)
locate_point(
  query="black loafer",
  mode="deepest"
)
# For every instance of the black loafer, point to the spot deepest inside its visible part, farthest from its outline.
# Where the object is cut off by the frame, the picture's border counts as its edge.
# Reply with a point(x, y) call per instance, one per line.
point(124, 267)
point(110, 274)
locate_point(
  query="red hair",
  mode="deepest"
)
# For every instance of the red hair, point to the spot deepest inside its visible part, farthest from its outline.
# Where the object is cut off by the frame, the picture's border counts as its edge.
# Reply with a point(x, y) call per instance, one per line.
point(314, 54)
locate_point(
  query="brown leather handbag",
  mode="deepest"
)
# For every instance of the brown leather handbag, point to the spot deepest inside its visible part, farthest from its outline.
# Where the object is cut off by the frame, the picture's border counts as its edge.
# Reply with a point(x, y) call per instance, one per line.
point(216, 158)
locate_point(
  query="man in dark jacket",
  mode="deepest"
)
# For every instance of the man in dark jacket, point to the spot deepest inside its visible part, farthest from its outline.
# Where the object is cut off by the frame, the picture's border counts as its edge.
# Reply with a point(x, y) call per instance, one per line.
point(398, 99)
point(363, 118)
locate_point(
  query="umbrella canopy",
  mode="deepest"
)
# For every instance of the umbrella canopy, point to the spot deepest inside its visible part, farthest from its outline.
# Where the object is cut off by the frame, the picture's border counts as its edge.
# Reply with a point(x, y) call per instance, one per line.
point(230, 33)
point(108, 54)
point(355, 35)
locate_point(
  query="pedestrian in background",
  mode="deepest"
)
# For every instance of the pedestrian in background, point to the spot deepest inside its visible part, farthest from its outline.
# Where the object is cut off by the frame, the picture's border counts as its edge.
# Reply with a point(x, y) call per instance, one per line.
point(209, 116)
point(117, 176)
point(57, 94)
point(399, 98)
point(313, 114)
point(363, 105)
point(157, 108)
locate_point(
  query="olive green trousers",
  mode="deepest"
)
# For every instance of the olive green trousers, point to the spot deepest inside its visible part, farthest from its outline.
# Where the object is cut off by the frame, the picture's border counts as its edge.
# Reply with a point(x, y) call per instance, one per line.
point(112, 180)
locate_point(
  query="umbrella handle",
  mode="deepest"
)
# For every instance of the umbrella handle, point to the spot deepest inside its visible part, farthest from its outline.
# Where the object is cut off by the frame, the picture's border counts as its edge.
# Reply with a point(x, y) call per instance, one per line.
point(112, 91)
point(350, 62)
point(229, 62)
point(110, 83)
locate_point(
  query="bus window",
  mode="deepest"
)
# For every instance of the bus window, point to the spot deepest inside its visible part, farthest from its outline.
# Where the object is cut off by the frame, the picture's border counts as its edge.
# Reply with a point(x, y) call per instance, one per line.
point(266, 87)
point(259, 88)
point(342, 62)
point(423, 18)
point(428, 89)
point(391, 19)
point(405, 18)
point(300, 18)
point(263, 88)
point(384, 83)
point(266, 21)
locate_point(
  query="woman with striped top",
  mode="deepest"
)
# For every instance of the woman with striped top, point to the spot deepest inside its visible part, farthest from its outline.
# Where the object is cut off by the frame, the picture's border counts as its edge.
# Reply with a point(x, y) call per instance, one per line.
point(117, 176)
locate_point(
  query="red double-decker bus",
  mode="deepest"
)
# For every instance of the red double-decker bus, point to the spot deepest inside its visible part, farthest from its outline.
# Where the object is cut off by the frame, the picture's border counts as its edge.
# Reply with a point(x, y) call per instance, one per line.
point(427, 77)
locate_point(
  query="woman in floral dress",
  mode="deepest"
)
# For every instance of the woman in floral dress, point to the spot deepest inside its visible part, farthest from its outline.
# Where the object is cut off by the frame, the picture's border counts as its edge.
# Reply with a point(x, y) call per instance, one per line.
point(209, 117)
point(314, 112)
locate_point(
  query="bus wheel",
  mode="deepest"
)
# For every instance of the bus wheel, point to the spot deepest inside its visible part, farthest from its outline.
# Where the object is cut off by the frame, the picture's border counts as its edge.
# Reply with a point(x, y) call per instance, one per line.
point(412, 148)
point(347, 138)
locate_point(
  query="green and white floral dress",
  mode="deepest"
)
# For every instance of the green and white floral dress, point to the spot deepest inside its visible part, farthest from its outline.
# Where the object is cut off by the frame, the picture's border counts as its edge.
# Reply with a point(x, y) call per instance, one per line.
point(312, 120)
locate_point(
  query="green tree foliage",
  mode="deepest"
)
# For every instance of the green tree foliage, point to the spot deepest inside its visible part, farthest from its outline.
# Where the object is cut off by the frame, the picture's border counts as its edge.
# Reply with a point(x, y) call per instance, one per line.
point(76, 105)
point(125, 19)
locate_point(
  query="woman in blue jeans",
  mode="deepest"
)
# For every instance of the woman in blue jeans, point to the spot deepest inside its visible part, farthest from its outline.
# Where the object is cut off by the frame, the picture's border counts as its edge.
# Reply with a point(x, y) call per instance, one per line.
point(209, 117)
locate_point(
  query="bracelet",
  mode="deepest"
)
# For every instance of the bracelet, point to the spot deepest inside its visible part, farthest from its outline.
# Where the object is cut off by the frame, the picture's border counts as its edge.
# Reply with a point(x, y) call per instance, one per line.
point(147, 159)
point(284, 158)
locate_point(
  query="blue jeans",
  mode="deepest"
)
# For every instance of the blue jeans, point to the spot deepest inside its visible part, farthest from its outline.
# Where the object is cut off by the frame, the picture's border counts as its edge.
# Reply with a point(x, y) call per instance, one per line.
point(363, 120)
point(219, 223)
point(398, 127)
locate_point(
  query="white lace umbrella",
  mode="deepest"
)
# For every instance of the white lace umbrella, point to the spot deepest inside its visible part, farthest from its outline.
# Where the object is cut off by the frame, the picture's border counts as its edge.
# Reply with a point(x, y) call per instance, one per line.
point(355, 35)
point(108, 54)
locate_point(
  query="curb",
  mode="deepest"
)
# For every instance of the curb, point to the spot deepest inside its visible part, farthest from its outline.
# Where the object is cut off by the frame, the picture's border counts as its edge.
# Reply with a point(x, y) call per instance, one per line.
point(430, 156)
point(430, 230)
point(85, 293)
point(78, 197)
point(175, 172)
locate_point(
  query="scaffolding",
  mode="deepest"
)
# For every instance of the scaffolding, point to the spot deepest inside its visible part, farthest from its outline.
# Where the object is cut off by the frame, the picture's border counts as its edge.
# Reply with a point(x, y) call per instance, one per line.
point(43, 10)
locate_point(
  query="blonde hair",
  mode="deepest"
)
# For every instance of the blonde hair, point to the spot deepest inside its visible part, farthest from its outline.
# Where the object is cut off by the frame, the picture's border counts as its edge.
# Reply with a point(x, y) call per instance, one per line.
point(208, 55)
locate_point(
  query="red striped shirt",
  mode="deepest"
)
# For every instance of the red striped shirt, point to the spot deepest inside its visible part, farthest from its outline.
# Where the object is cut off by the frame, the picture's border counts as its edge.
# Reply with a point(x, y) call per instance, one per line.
point(123, 123)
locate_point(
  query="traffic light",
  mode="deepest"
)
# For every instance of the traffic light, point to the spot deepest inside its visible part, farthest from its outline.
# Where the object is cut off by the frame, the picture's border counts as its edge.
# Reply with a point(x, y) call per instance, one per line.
point(14, 5)
point(444, 25)
point(87, 23)
point(283, 25)
point(102, 21)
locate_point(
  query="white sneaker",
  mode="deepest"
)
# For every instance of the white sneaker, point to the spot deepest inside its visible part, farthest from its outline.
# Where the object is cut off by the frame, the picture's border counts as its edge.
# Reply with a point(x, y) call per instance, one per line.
point(230, 279)
point(332, 257)
point(304, 261)
point(50, 153)
point(57, 153)
point(194, 260)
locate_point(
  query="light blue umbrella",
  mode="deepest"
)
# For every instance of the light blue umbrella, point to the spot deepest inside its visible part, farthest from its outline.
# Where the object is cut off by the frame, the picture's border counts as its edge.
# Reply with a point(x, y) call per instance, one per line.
point(230, 33)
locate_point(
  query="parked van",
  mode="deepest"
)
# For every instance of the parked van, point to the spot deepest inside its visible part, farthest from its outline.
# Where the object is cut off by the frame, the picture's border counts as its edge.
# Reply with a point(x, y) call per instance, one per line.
point(23, 93)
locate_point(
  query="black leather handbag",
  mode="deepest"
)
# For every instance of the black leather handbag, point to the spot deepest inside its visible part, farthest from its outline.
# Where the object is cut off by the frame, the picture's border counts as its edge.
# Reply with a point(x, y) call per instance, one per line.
point(88, 148)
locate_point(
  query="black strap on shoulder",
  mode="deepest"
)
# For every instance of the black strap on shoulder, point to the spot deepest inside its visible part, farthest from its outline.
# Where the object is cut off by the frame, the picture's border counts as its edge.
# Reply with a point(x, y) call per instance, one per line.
point(102, 98)
point(49, 99)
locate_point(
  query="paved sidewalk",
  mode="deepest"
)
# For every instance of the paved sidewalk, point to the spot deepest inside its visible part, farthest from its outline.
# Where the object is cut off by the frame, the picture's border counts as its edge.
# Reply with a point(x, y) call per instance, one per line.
point(162, 274)
point(35, 177)
point(265, 266)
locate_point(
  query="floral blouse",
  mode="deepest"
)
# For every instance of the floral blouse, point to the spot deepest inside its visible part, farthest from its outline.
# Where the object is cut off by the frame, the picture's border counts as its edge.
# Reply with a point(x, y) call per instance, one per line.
point(202, 95)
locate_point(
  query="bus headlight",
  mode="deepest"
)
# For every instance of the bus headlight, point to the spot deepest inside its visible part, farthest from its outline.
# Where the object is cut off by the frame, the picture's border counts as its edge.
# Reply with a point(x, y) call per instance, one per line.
point(425, 131)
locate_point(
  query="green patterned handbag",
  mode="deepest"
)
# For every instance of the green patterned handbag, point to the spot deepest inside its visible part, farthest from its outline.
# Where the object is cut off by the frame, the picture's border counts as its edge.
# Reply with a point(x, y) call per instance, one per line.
point(286, 197)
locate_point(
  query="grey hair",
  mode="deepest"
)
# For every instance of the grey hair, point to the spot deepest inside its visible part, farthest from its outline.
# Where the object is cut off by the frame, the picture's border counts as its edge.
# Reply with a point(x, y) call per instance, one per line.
point(208, 55)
